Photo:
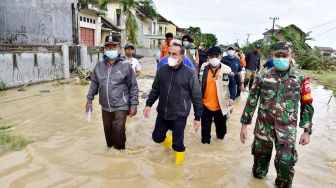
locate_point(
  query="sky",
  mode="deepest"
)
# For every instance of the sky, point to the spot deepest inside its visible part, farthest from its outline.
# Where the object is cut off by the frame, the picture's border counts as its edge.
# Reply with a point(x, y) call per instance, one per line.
point(232, 20)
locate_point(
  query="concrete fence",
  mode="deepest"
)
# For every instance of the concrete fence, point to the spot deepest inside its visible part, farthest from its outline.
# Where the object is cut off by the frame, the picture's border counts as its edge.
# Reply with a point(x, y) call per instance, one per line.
point(21, 64)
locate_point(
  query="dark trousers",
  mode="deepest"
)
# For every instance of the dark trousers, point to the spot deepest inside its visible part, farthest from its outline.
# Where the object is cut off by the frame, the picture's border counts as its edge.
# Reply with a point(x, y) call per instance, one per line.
point(238, 83)
point(114, 128)
point(176, 126)
point(220, 123)
point(285, 159)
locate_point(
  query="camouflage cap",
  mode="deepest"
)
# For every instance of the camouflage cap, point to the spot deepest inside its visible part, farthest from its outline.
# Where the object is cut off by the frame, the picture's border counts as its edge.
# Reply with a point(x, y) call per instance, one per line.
point(282, 47)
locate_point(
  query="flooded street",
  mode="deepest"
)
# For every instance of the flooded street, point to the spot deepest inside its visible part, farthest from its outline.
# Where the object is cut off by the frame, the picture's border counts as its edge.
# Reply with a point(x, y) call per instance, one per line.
point(68, 151)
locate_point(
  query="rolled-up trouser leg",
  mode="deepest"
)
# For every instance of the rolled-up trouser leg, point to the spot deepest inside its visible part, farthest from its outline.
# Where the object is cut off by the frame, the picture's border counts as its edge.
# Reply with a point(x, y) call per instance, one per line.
point(248, 74)
point(262, 152)
point(253, 75)
point(107, 122)
point(220, 123)
point(118, 127)
point(284, 163)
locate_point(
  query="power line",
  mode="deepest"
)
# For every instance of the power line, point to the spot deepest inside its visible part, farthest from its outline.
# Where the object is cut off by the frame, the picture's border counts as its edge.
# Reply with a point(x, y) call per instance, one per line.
point(295, 7)
point(324, 32)
point(322, 24)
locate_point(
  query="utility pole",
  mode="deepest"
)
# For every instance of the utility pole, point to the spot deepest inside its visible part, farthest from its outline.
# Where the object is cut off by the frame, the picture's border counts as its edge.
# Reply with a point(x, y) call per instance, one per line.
point(247, 40)
point(274, 19)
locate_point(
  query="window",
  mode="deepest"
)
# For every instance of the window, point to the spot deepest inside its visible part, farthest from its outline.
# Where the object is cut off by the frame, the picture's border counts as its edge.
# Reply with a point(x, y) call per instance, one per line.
point(90, 20)
point(94, 21)
point(84, 19)
point(154, 28)
point(81, 18)
point(118, 17)
point(160, 30)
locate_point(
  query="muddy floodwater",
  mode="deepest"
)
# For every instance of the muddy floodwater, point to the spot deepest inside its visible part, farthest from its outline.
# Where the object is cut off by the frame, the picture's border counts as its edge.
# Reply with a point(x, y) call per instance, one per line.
point(68, 151)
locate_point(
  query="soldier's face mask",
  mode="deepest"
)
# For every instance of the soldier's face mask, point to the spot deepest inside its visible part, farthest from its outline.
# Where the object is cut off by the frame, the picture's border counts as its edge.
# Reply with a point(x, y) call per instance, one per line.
point(281, 63)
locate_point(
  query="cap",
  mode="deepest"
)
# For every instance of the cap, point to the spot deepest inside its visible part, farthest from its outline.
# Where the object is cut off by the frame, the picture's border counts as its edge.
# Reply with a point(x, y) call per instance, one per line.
point(176, 42)
point(191, 46)
point(110, 39)
point(257, 46)
point(215, 50)
point(282, 47)
point(129, 44)
point(231, 47)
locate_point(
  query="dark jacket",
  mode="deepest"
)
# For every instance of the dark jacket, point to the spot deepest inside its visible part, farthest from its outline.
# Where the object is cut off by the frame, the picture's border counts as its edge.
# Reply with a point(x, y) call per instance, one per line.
point(176, 89)
point(252, 61)
point(116, 84)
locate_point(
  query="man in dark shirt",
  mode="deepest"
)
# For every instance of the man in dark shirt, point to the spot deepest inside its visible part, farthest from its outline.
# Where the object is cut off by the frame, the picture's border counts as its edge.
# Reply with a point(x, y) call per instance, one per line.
point(202, 53)
point(234, 63)
point(252, 66)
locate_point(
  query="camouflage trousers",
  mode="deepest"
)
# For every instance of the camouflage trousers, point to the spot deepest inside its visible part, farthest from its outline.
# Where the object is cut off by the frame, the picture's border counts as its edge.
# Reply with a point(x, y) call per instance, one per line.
point(285, 159)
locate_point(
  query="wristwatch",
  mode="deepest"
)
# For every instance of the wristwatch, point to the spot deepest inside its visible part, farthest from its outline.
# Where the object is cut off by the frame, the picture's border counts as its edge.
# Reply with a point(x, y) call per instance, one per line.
point(308, 130)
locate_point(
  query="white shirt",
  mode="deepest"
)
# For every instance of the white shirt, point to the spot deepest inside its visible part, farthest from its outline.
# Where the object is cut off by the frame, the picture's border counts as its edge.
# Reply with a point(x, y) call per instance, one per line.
point(135, 64)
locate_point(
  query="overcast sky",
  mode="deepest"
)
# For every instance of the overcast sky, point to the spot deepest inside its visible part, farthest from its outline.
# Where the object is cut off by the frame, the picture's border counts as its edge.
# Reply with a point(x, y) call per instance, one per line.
point(230, 20)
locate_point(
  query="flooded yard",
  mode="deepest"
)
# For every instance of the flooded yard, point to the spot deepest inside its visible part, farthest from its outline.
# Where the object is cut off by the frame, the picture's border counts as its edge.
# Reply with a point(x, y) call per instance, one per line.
point(68, 151)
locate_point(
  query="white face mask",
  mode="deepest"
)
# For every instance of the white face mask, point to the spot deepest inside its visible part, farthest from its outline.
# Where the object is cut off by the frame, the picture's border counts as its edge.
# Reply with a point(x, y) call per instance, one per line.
point(172, 62)
point(214, 62)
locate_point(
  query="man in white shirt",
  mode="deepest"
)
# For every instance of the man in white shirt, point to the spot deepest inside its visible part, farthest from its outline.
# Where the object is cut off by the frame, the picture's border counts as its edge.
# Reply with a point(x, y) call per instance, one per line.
point(129, 52)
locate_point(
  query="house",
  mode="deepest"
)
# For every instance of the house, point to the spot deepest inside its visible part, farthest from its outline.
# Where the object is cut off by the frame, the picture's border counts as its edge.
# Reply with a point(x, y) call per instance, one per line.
point(277, 32)
point(94, 27)
point(327, 51)
point(148, 30)
point(165, 26)
point(180, 32)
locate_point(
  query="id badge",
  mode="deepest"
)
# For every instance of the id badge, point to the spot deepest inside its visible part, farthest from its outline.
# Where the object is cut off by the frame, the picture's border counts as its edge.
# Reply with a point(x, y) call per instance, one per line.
point(225, 77)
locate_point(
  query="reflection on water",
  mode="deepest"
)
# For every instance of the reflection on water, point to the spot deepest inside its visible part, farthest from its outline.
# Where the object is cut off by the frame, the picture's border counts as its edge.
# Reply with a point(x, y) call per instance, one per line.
point(70, 152)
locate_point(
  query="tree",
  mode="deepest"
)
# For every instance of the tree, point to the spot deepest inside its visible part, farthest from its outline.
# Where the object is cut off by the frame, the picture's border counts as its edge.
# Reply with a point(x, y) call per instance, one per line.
point(128, 8)
point(208, 39)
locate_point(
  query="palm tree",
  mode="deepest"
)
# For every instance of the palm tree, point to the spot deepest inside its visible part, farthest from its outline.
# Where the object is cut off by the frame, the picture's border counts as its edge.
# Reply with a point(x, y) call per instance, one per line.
point(128, 8)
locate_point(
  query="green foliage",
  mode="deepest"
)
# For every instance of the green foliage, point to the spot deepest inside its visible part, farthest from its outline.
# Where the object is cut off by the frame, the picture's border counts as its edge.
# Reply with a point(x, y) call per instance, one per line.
point(10, 141)
point(128, 7)
point(84, 75)
point(2, 86)
point(305, 56)
point(149, 7)
point(208, 39)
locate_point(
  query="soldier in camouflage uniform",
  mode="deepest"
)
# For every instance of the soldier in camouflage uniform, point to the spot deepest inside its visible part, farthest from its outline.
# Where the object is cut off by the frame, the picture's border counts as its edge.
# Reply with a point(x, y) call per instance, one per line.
point(278, 90)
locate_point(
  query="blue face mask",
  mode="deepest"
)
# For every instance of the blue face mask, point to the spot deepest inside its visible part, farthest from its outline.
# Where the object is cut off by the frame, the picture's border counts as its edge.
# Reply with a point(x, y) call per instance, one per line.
point(111, 54)
point(230, 52)
point(185, 43)
point(281, 63)
point(192, 52)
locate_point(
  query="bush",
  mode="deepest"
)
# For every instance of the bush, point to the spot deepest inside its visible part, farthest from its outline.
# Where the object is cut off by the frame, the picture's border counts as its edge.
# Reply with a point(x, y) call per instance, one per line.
point(2, 86)
point(10, 141)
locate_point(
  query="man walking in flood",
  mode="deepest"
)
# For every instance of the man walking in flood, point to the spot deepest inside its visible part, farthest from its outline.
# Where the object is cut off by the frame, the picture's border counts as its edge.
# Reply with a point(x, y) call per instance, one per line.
point(176, 85)
point(116, 83)
point(218, 91)
point(252, 66)
point(278, 90)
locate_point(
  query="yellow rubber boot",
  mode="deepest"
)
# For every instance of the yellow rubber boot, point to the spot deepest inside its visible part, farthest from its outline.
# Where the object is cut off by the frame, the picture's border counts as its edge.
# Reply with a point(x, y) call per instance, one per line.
point(179, 157)
point(168, 142)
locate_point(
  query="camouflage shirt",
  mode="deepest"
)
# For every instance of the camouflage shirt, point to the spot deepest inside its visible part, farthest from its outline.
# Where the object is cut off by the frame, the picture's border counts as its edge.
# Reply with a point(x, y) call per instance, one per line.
point(279, 95)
